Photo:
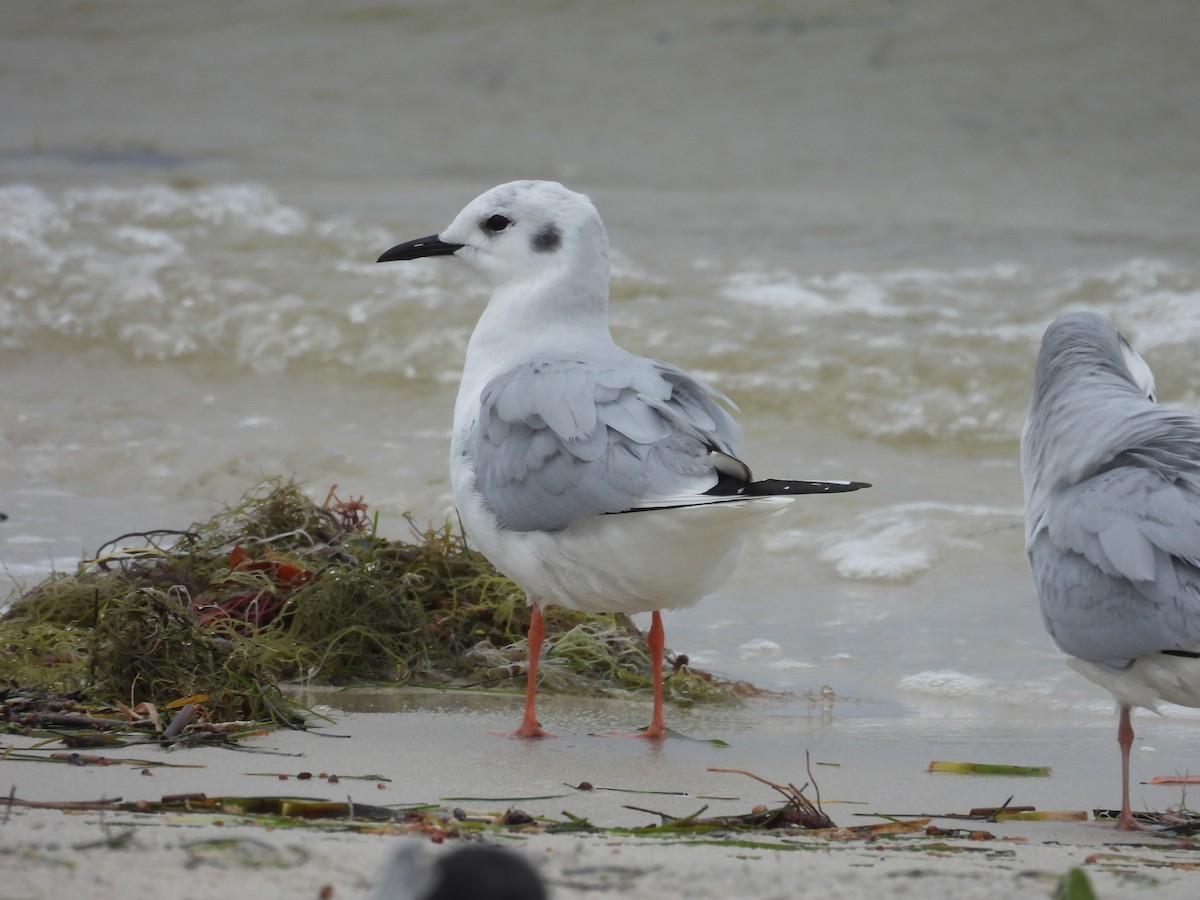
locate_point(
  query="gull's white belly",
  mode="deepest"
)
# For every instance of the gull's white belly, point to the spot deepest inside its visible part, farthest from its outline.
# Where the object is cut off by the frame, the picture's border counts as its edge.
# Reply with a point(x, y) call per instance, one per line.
point(628, 562)
point(1148, 679)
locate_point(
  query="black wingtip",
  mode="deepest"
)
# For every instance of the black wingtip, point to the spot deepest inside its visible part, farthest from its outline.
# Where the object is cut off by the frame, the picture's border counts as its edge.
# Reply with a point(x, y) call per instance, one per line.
point(779, 487)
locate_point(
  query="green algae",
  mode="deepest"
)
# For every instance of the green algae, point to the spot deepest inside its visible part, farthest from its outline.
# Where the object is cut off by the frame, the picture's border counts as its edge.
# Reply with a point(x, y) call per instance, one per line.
point(278, 588)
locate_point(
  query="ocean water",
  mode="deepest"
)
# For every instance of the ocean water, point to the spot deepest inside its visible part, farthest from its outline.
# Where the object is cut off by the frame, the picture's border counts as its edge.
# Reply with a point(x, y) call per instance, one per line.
point(855, 219)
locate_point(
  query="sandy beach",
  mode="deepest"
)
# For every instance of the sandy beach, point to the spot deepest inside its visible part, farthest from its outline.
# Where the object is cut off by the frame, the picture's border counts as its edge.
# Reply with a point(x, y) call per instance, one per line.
point(854, 219)
point(405, 748)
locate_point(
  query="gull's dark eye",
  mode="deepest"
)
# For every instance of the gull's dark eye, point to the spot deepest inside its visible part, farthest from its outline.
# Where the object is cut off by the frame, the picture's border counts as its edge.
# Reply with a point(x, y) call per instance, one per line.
point(496, 224)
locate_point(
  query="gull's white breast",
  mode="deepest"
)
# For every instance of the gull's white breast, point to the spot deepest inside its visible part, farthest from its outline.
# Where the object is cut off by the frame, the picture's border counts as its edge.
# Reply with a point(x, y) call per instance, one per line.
point(627, 562)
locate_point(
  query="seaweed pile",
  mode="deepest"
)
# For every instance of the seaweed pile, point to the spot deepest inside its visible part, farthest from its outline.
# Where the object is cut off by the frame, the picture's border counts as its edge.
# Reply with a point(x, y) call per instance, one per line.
point(278, 588)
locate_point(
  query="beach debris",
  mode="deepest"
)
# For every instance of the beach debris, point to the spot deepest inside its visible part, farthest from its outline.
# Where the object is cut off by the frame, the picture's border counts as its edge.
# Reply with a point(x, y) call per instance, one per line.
point(182, 720)
point(969, 768)
point(1005, 812)
point(270, 807)
point(1180, 822)
point(69, 720)
point(503, 799)
point(438, 823)
point(798, 811)
point(323, 776)
point(1044, 815)
point(509, 817)
point(351, 512)
point(275, 588)
point(588, 786)
point(81, 759)
point(283, 812)
point(990, 812)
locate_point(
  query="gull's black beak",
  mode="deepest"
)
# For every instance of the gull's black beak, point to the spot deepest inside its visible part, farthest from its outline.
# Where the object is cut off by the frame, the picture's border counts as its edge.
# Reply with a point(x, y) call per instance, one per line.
point(421, 247)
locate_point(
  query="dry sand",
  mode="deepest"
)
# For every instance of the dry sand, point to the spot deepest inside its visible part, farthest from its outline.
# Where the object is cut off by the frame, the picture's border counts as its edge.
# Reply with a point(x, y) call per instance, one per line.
point(434, 747)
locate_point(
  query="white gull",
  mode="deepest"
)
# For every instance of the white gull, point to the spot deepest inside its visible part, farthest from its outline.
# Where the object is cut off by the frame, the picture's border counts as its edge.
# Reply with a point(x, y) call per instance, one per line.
point(593, 478)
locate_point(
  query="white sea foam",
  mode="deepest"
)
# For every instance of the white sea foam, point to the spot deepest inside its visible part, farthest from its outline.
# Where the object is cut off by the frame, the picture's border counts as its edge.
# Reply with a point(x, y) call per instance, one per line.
point(887, 295)
point(929, 355)
point(788, 664)
point(945, 683)
point(231, 275)
point(897, 542)
point(223, 273)
point(777, 291)
point(27, 218)
point(759, 648)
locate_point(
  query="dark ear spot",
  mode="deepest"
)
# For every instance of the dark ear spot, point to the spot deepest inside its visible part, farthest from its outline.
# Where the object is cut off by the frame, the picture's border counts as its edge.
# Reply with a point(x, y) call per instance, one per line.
point(547, 240)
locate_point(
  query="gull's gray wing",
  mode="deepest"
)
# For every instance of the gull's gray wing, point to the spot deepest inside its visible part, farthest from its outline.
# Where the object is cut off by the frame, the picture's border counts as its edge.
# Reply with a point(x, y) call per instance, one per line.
point(560, 439)
point(1117, 555)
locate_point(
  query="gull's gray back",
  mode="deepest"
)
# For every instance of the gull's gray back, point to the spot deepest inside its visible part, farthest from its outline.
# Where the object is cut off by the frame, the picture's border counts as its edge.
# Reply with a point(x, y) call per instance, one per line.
point(1112, 500)
point(558, 439)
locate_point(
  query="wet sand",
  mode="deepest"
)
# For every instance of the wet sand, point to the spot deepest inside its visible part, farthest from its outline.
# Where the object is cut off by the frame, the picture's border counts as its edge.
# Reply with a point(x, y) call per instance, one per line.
point(434, 747)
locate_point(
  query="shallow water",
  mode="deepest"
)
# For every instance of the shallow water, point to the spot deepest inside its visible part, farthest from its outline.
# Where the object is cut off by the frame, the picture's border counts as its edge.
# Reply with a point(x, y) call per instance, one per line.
point(855, 219)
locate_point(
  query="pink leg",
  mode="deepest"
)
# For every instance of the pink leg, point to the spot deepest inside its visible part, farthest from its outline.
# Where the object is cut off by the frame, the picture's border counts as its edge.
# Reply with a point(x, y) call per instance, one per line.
point(656, 642)
point(1125, 740)
point(530, 726)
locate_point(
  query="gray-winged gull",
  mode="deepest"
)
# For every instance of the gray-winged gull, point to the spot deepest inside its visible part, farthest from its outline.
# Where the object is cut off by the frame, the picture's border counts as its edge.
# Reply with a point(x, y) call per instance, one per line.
point(593, 478)
point(1112, 521)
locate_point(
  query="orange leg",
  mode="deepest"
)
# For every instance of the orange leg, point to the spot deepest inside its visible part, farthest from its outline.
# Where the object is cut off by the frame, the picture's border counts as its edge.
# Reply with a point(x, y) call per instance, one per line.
point(1125, 740)
point(530, 726)
point(655, 640)
point(656, 643)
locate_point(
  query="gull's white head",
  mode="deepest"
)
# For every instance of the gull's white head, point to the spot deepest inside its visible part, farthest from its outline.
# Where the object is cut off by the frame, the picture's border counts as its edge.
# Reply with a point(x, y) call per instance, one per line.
point(522, 231)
